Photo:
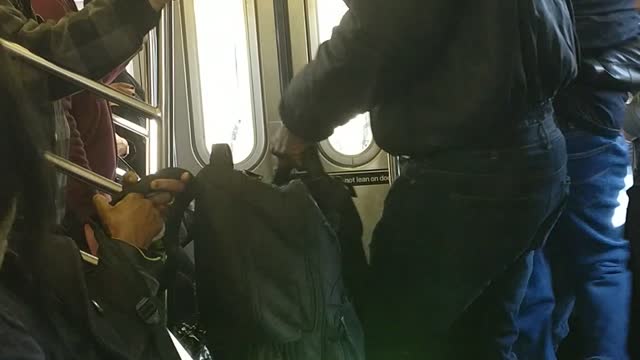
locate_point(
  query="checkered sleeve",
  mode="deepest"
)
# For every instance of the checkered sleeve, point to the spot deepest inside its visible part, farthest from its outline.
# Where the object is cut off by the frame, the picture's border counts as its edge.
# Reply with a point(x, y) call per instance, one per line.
point(92, 42)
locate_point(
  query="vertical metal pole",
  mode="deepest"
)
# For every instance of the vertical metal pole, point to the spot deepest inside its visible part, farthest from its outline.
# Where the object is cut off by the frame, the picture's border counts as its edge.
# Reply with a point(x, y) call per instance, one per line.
point(150, 81)
point(165, 87)
point(394, 168)
point(161, 95)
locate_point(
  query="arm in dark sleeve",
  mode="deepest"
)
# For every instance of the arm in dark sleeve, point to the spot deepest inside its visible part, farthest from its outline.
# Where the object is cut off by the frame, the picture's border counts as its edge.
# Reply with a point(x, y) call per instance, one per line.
point(91, 42)
point(16, 343)
point(341, 81)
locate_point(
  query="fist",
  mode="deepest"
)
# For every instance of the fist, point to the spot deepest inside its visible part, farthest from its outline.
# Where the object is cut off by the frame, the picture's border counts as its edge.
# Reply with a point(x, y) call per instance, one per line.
point(124, 88)
point(289, 147)
point(134, 220)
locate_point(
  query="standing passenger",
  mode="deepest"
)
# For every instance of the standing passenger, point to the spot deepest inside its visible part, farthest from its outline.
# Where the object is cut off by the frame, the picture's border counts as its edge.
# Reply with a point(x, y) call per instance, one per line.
point(91, 43)
point(464, 90)
point(136, 157)
point(92, 144)
point(587, 252)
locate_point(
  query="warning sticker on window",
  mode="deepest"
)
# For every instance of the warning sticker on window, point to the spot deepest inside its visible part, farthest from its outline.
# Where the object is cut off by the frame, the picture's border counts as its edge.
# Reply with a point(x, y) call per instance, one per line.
point(367, 178)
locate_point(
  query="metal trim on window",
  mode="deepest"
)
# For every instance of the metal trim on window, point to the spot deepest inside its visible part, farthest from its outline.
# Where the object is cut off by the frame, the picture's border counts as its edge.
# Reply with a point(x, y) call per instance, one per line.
point(340, 159)
point(198, 138)
point(368, 154)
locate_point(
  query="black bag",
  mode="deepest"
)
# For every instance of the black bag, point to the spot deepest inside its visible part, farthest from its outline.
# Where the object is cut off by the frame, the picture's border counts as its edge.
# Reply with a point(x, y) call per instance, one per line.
point(268, 270)
point(82, 311)
point(335, 200)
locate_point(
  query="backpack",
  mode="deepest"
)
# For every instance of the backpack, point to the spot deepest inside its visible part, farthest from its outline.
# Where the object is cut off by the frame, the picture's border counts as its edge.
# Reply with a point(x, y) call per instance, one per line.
point(268, 270)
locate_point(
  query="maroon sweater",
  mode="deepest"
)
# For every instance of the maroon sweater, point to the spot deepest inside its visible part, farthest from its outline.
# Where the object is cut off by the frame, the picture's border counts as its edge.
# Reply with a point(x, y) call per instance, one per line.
point(92, 143)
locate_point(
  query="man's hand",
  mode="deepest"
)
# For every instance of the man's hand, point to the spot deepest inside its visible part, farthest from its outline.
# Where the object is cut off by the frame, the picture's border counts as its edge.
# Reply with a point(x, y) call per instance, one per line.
point(134, 220)
point(124, 88)
point(165, 189)
point(289, 147)
point(157, 5)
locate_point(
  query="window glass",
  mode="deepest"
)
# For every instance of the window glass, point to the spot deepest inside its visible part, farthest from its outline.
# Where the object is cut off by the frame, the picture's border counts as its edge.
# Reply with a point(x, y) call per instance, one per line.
point(356, 136)
point(225, 75)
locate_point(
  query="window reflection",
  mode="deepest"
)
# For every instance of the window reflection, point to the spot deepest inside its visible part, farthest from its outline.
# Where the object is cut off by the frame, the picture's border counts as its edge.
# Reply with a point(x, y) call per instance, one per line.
point(225, 77)
point(356, 136)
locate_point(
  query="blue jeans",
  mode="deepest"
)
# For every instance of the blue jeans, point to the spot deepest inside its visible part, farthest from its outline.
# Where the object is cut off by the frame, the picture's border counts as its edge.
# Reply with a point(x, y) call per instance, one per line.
point(451, 256)
point(588, 258)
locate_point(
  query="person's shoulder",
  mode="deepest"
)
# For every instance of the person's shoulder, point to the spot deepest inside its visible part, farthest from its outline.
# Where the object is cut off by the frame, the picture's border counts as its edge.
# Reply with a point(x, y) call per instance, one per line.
point(15, 340)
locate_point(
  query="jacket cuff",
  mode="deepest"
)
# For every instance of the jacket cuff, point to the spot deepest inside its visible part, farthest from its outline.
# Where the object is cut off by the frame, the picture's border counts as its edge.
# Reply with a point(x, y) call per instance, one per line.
point(138, 13)
point(306, 128)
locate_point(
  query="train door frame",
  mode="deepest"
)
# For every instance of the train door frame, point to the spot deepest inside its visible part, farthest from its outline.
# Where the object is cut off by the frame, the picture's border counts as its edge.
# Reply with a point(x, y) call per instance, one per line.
point(363, 170)
point(191, 149)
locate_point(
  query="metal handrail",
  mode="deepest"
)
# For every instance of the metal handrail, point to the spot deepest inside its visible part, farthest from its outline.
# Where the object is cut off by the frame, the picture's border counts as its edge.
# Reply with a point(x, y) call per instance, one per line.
point(81, 81)
point(131, 126)
point(81, 174)
point(141, 108)
point(165, 84)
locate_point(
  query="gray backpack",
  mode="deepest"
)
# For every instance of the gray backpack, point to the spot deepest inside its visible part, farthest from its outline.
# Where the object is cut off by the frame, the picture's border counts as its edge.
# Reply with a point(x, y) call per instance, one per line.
point(268, 270)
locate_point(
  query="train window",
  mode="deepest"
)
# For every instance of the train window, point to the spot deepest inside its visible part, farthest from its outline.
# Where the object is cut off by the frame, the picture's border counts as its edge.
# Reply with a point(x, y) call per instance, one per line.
point(354, 139)
point(222, 77)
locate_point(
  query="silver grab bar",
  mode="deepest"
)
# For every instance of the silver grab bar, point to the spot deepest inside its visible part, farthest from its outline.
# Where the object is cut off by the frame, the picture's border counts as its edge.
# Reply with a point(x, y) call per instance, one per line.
point(131, 126)
point(88, 177)
point(79, 173)
point(90, 85)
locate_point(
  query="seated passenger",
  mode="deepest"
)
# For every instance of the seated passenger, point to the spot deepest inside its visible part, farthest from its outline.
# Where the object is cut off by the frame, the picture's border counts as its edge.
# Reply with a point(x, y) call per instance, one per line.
point(52, 305)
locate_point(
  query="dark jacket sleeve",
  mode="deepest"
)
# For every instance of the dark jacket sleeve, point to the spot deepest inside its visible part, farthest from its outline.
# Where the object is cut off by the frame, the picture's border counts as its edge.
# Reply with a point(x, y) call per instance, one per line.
point(91, 42)
point(16, 343)
point(341, 81)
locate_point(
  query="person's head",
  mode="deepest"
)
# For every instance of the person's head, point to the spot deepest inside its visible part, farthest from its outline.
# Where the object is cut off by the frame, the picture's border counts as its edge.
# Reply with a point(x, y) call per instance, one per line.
point(24, 183)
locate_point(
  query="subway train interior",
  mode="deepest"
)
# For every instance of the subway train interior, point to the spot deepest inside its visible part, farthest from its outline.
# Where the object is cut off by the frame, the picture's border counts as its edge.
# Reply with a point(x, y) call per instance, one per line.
point(206, 86)
point(212, 73)
point(216, 78)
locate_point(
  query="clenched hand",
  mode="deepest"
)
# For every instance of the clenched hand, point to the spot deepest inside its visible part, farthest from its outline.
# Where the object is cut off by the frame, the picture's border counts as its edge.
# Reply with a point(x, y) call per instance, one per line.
point(134, 220)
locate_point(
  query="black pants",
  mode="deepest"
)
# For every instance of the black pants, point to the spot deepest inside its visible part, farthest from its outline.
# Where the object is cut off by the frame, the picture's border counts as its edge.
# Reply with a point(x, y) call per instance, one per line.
point(452, 255)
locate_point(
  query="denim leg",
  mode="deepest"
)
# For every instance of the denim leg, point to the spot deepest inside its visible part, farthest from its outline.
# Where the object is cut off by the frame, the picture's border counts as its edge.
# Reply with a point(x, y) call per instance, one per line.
point(589, 241)
point(534, 319)
point(451, 256)
point(499, 305)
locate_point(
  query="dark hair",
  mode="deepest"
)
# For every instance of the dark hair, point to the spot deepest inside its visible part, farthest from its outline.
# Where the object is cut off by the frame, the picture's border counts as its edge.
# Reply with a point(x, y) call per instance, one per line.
point(24, 176)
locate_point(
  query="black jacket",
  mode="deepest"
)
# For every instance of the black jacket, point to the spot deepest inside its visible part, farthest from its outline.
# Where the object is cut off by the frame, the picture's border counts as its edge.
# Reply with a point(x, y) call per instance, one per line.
point(602, 24)
point(607, 31)
point(436, 73)
point(79, 311)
